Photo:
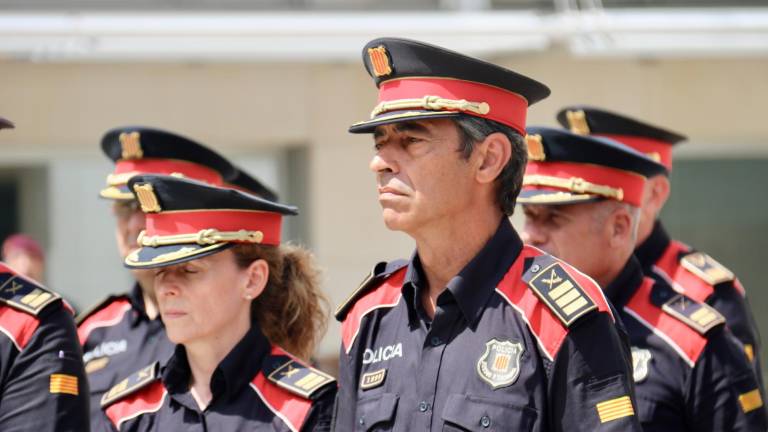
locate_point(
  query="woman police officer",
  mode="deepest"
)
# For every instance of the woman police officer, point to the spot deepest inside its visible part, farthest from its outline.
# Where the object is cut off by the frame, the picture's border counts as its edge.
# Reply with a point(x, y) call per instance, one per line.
point(242, 308)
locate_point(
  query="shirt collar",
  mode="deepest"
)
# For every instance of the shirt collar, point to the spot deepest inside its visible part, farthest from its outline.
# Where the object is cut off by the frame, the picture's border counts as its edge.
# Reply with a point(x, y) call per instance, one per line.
point(136, 297)
point(474, 284)
point(621, 289)
point(235, 371)
point(653, 247)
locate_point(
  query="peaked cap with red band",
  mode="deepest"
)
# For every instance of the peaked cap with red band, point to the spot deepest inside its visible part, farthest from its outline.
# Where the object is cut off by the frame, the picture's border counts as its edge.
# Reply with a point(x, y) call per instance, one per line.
point(650, 140)
point(187, 219)
point(142, 150)
point(246, 183)
point(566, 168)
point(421, 81)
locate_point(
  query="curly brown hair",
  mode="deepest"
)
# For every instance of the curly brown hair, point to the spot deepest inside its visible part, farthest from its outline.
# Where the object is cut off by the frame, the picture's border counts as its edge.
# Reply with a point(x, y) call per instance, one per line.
point(292, 311)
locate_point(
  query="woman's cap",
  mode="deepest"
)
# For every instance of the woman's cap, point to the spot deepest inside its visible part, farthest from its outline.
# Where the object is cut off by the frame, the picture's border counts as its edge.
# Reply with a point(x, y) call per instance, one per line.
point(187, 219)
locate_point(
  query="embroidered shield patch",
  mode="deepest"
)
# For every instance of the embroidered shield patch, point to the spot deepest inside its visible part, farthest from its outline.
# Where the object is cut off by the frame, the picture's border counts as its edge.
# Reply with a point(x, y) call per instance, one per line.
point(640, 360)
point(499, 366)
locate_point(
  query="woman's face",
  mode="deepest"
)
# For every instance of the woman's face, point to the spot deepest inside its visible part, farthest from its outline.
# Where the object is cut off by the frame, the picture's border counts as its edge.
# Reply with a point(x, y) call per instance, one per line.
point(205, 298)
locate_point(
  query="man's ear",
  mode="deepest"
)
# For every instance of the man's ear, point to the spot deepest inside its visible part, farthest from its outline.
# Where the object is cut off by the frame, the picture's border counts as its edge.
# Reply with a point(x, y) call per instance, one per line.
point(257, 275)
point(657, 193)
point(620, 223)
point(494, 152)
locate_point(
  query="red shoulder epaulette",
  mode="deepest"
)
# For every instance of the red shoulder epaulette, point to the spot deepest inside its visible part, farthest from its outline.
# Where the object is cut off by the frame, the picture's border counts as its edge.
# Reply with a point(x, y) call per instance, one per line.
point(684, 339)
point(546, 319)
point(21, 302)
point(671, 267)
point(18, 326)
point(146, 400)
point(106, 313)
point(286, 389)
point(386, 295)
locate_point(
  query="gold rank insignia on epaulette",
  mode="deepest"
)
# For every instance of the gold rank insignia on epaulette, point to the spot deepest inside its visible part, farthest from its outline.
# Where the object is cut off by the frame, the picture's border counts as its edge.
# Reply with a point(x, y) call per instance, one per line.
point(557, 289)
point(699, 316)
point(131, 384)
point(298, 378)
point(705, 267)
point(25, 295)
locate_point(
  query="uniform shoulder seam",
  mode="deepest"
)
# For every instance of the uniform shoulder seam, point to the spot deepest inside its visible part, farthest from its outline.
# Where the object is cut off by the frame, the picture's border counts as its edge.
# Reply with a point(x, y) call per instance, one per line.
point(380, 273)
point(98, 306)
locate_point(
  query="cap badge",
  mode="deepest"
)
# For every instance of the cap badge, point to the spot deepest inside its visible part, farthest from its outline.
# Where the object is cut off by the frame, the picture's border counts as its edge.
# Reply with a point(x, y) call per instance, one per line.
point(380, 61)
point(577, 121)
point(499, 366)
point(131, 144)
point(147, 198)
point(535, 148)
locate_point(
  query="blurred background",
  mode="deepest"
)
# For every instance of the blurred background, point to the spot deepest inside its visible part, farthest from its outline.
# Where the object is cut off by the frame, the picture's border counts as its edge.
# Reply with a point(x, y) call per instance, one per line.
point(274, 84)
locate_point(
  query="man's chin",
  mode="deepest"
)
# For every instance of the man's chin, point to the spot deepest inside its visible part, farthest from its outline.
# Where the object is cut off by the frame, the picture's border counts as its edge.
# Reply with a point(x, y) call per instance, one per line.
point(394, 220)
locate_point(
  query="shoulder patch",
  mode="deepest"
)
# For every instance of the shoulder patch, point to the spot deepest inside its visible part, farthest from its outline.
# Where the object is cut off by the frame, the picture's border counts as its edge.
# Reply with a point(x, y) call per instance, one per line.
point(23, 294)
point(130, 385)
point(294, 376)
point(558, 290)
point(380, 271)
point(84, 315)
point(699, 316)
point(706, 268)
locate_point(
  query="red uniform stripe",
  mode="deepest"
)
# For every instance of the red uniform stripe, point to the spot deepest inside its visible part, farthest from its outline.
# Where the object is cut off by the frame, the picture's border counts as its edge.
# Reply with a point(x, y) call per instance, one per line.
point(630, 183)
point(17, 325)
point(506, 107)
point(191, 222)
point(647, 146)
point(106, 317)
point(549, 330)
point(291, 408)
point(170, 166)
point(686, 341)
point(147, 400)
point(386, 295)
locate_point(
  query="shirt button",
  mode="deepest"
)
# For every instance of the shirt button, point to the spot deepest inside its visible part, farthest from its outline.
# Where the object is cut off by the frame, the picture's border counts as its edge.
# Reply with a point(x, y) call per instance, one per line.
point(436, 341)
point(361, 422)
point(535, 268)
point(423, 406)
point(485, 421)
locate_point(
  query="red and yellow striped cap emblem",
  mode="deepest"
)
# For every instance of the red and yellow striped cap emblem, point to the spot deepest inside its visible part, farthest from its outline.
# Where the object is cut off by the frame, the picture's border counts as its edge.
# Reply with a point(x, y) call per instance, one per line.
point(379, 61)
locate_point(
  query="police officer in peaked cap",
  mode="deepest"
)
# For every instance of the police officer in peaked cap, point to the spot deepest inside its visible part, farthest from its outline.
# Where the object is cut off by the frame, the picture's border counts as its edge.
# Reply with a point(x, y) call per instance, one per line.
point(476, 331)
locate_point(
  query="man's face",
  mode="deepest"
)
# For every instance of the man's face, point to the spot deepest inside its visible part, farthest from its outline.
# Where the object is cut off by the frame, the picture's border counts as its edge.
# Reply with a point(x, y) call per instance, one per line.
point(130, 222)
point(421, 175)
point(569, 232)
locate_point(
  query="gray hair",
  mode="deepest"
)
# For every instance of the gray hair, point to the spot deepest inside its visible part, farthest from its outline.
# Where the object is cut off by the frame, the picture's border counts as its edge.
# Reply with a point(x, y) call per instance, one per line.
point(473, 130)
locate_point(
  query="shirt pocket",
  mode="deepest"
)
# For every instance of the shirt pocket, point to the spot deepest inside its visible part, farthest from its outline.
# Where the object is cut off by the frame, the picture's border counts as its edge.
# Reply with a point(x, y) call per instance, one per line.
point(376, 413)
point(477, 414)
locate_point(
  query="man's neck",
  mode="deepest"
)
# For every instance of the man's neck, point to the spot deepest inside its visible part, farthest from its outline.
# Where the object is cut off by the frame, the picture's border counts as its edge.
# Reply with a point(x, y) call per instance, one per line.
point(446, 248)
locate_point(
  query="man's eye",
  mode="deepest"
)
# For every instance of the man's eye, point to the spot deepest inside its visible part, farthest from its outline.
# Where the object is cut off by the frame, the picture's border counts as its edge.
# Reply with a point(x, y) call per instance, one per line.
point(377, 146)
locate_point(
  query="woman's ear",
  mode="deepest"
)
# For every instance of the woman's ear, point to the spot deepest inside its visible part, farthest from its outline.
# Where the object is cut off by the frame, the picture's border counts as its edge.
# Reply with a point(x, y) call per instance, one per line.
point(257, 275)
point(494, 151)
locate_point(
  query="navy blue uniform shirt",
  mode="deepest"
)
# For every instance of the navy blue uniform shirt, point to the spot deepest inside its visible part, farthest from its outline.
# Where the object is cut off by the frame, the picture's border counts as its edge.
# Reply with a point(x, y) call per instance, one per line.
point(43, 387)
point(256, 387)
point(662, 259)
point(690, 372)
point(496, 356)
point(117, 338)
